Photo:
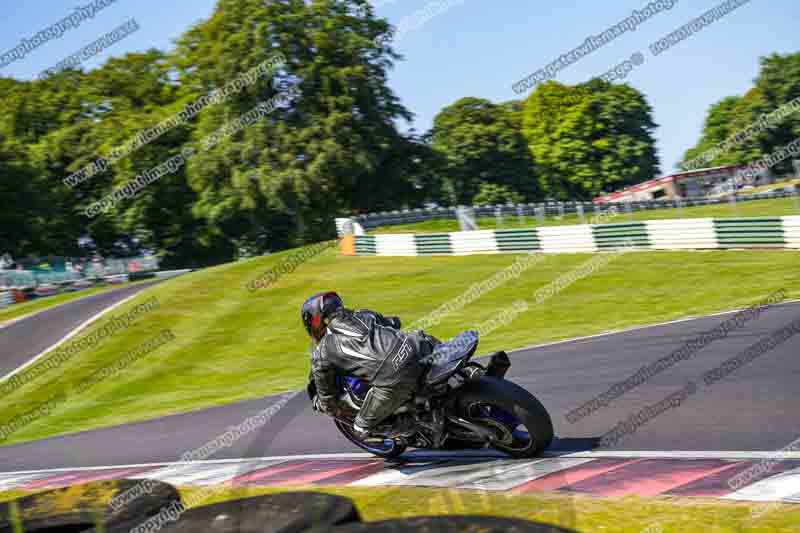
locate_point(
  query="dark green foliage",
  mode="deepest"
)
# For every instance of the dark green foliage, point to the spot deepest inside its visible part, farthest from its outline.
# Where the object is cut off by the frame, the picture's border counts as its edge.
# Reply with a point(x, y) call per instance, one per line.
point(480, 142)
point(777, 84)
point(493, 194)
point(332, 151)
point(589, 138)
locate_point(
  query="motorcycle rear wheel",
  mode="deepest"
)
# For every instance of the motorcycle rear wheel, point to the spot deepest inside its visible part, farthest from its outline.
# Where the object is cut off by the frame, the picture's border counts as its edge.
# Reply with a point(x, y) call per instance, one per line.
point(523, 425)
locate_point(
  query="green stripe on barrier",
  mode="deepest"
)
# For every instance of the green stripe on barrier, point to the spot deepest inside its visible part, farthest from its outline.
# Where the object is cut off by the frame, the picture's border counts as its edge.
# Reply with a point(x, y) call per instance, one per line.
point(756, 232)
point(619, 225)
point(366, 245)
point(517, 240)
point(739, 220)
point(433, 243)
point(620, 235)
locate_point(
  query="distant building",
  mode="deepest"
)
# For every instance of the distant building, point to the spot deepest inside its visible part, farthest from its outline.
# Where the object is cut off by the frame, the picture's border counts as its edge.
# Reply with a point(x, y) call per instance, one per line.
point(693, 183)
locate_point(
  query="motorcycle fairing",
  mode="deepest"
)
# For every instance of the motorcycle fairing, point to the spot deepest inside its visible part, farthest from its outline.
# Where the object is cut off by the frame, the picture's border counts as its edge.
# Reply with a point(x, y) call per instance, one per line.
point(449, 356)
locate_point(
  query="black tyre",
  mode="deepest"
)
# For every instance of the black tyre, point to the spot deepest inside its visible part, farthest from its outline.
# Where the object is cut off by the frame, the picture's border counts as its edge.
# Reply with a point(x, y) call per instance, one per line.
point(386, 448)
point(277, 513)
point(521, 422)
point(82, 507)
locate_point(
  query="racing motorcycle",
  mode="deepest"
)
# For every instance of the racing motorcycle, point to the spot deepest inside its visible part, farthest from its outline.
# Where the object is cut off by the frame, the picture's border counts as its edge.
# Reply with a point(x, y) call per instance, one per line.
point(459, 404)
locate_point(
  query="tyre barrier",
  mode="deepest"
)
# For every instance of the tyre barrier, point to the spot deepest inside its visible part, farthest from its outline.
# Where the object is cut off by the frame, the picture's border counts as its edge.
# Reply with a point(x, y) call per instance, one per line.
point(677, 234)
point(81, 507)
point(91, 507)
point(286, 512)
point(295, 512)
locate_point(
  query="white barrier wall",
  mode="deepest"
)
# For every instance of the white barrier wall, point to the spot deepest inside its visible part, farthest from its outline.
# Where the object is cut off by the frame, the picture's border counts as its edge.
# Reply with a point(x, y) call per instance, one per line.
point(677, 234)
point(791, 231)
point(579, 238)
point(398, 245)
point(473, 242)
point(682, 234)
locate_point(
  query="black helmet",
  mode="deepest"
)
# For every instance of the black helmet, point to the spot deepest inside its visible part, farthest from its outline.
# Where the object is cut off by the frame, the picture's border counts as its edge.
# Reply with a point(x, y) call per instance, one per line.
point(317, 312)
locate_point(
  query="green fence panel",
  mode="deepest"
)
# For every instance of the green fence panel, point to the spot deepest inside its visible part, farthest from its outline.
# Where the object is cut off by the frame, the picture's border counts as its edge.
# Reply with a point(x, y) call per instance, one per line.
point(433, 243)
point(757, 232)
point(517, 240)
point(621, 235)
point(365, 245)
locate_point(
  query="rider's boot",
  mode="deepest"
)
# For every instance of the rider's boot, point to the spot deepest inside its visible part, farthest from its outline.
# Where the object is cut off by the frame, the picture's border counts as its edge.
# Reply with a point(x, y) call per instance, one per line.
point(403, 427)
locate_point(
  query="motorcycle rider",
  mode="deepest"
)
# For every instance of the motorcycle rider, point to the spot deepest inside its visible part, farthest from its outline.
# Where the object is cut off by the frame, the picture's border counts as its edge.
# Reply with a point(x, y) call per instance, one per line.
point(367, 345)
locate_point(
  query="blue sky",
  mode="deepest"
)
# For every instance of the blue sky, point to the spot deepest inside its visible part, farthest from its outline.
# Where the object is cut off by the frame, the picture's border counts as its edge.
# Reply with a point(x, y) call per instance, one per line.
point(481, 47)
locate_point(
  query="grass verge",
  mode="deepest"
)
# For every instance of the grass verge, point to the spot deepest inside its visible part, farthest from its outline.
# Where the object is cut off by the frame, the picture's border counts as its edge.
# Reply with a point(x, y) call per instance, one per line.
point(231, 344)
point(752, 208)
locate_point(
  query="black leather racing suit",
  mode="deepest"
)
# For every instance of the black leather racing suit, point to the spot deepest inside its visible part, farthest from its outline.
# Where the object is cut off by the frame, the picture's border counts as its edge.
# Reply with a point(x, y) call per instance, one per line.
point(372, 347)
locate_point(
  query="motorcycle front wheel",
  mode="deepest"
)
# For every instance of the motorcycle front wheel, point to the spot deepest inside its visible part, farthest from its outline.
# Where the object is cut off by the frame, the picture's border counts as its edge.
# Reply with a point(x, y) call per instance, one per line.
point(382, 447)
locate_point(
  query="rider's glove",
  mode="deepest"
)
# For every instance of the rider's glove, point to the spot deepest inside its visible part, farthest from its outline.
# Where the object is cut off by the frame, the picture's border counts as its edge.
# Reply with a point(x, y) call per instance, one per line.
point(359, 431)
point(317, 404)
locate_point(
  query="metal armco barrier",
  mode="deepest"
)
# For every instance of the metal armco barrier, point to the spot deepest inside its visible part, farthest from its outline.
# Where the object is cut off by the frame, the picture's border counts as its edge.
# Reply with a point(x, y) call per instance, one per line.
point(412, 216)
point(678, 234)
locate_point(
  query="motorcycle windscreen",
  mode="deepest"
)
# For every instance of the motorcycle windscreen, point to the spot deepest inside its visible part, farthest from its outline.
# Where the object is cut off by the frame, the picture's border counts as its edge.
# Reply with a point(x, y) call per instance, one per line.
point(448, 357)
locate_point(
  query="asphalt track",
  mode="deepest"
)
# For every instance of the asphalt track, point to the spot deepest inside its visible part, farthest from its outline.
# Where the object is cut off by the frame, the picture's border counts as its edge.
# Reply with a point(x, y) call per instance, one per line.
point(757, 408)
point(24, 339)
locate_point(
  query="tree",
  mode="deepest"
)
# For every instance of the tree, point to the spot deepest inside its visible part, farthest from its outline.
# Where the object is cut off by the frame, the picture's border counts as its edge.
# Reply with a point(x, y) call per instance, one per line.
point(493, 194)
point(589, 138)
point(480, 142)
point(333, 149)
point(732, 119)
point(316, 157)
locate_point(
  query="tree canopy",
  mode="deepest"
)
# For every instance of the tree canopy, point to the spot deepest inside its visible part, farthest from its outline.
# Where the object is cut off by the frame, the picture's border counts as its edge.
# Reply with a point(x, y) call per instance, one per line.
point(481, 143)
point(736, 130)
point(332, 149)
point(589, 138)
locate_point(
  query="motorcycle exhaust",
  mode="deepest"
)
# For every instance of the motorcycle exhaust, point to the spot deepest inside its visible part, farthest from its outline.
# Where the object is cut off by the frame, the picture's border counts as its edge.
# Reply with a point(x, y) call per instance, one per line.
point(486, 434)
point(498, 365)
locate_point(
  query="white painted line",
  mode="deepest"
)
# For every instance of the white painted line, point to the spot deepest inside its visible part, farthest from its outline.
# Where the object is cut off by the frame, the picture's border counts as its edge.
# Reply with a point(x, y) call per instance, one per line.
point(638, 328)
point(777, 455)
point(363, 455)
point(442, 476)
point(774, 488)
point(40, 311)
point(23, 317)
point(13, 482)
point(513, 477)
point(433, 455)
point(492, 475)
point(69, 335)
point(391, 477)
point(228, 472)
point(189, 474)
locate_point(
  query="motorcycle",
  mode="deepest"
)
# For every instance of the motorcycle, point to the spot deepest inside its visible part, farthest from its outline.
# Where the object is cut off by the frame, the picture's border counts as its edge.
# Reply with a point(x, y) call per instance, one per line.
point(459, 404)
